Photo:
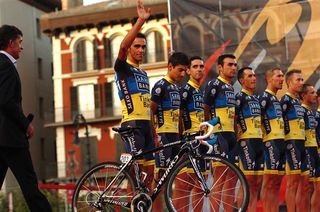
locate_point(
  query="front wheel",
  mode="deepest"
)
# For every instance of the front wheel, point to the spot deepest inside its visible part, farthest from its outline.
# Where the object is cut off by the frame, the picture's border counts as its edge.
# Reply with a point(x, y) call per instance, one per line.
point(94, 191)
point(227, 188)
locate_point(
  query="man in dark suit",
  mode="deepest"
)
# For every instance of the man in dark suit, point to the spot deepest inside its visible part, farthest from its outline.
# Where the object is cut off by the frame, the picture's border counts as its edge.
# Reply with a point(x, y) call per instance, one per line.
point(15, 127)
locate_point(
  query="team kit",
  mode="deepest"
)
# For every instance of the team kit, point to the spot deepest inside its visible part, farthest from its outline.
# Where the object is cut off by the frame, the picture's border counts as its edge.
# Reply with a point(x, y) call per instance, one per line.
point(263, 134)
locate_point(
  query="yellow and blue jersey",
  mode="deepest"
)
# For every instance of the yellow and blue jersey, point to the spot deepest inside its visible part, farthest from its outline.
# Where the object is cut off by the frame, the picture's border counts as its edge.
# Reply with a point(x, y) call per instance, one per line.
point(192, 107)
point(317, 116)
point(166, 95)
point(219, 95)
point(271, 116)
point(248, 115)
point(133, 89)
point(293, 117)
point(310, 126)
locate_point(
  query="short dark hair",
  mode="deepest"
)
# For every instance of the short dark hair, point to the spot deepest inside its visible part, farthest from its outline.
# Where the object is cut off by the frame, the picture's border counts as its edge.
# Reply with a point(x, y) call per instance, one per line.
point(290, 73)
point(240, 74)
point(141, 35)
point(178, 58)
point(318, 93)
point(269, 73)
point(223, 56)
point(194, 58)
point(7, 33)
point(304, 89)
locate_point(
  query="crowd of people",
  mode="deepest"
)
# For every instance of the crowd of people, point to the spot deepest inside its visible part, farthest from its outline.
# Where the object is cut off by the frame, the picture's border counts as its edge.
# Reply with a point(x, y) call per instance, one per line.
point(267, 137)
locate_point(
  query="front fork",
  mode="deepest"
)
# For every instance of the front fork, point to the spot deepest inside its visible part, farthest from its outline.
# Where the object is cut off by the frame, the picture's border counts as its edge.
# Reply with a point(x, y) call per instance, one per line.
point(201, 180)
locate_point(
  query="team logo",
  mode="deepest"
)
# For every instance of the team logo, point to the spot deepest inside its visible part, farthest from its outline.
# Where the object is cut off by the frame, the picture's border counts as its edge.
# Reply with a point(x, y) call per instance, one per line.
point(284, 107)
point(213, 91)
point(243, 143)
point(158, 90)
point(263, 103)
point(185, 94)
point(268, 144)
point(238, 102)
point(289, 146)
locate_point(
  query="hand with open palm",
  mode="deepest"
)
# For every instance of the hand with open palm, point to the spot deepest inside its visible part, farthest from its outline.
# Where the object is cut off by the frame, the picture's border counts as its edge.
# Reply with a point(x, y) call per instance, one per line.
point(142, 12)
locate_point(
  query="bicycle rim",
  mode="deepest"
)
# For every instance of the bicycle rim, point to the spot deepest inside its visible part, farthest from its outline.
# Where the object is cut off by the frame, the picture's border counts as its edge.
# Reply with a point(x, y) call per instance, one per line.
point(227, 187)
point(90, 187)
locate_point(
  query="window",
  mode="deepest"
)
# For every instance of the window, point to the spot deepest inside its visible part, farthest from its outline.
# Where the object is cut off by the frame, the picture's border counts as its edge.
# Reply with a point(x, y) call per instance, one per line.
point(39, 67)
point(115, 46)
point(85, 100)
point(112, 102)
point(155, 48)
point(107, 53)
point(41, 107)
point(86, 56)
point(38, 28)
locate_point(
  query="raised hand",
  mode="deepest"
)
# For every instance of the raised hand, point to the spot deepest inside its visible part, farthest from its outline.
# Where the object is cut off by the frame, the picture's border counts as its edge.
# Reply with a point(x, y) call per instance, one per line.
point(142, 12)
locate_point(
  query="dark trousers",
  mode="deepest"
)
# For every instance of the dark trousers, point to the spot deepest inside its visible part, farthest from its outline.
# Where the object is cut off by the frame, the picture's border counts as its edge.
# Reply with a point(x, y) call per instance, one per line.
point(20, 163)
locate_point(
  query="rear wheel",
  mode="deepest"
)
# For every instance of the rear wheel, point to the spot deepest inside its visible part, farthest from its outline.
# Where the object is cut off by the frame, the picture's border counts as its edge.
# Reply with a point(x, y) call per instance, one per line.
point(90, 187)
point(227, 187)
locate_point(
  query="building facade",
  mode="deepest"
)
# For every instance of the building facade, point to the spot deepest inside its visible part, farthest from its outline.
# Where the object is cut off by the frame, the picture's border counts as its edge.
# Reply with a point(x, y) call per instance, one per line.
point(85, 42)
point(35, 70)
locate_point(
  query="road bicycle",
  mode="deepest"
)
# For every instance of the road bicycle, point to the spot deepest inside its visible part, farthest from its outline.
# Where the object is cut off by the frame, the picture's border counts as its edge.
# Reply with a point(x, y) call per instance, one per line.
point(190, 181)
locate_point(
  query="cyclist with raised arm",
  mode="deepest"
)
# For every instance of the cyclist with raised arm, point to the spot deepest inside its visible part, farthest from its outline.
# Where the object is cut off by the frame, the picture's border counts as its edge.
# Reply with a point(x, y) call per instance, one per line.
point(273, 139)
point(309, 99)
point(219, 100)
point(249, 134)
point(134, 91)
point(165, 107)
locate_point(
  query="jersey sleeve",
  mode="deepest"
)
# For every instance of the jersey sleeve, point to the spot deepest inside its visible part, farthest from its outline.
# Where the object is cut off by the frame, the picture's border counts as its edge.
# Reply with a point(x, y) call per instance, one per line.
point(263, 101)
point(157, 92)
point(185, 96)
point(284, 105)
point(210, 93)
point(238, 111)
point(120, 66)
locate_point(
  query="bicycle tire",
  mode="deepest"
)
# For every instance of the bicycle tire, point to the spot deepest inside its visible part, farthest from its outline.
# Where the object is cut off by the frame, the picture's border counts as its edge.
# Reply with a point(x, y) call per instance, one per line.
point(92, 184)
point(184, 192)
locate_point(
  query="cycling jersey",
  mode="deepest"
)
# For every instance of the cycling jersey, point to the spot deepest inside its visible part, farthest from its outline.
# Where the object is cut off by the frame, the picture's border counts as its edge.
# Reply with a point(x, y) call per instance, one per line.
point(318, 126)
point(192, 106)
point(310, 126)
point(248, 114)
point(219, 95)
point(271, 115)
point(293, 117)
point(133, 90)
point(166, 94)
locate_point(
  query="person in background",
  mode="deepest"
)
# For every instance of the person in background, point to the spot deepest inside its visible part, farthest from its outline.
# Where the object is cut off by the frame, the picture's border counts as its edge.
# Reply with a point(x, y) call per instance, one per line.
point(15, 128)
point(219, 100)
point(192, 114)
point(249, 134)
point(296, 164)
point(309, 99)
point(165, 107)
point(273, 139)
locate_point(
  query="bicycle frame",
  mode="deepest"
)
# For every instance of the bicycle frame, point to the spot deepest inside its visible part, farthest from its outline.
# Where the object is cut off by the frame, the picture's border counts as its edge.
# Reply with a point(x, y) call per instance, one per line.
point(186, 148)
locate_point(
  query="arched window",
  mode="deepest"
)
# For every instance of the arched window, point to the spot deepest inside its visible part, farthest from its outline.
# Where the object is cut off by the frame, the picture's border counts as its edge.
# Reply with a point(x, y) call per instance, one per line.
point(115, 46)
point(107, 52)
point(84, 56)
point(155, 47)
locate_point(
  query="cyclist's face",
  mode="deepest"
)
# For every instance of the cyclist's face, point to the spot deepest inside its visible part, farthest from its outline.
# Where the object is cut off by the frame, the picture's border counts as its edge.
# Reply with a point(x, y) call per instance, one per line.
point(176, 73)
point(137, 49)
point(196, 70)
point(277, 79)
point(228, 69)
point(310, 96)
point(295, 83)
point(249, 80)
